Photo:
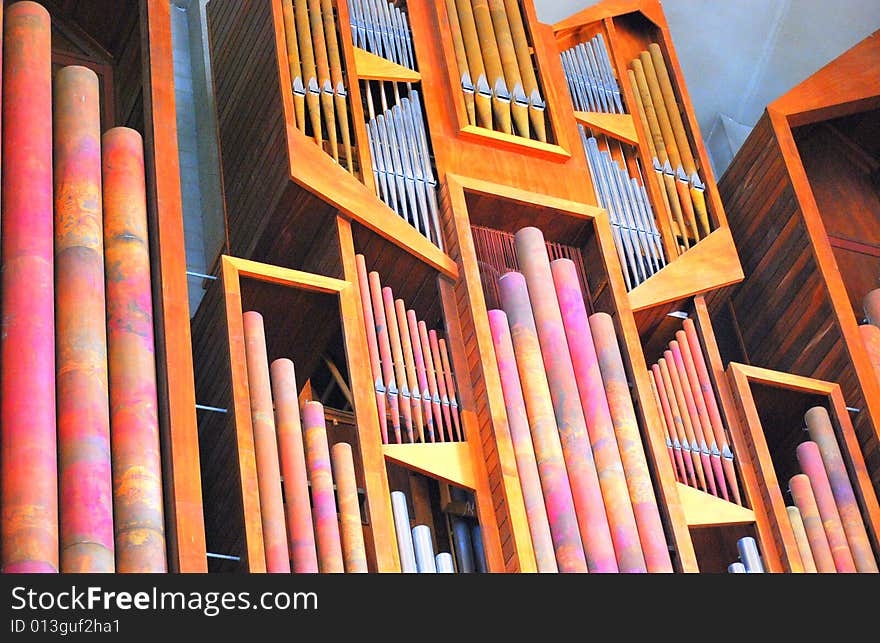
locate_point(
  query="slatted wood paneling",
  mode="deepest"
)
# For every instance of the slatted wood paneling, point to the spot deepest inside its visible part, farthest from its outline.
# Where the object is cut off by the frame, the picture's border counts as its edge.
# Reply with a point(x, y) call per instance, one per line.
point(784, 313)
point(269, 218)
point(480, 393)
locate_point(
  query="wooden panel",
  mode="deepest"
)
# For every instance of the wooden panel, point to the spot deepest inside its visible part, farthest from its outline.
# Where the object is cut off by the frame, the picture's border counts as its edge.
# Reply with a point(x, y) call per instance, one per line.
point(384, 555)
point(846, 85)
point(177, 413)
point(482, 369)
point(842, 176)
point(559, 170)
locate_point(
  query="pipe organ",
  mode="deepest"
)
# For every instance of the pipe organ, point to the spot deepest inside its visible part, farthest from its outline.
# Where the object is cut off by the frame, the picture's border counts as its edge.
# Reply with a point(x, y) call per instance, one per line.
point(481, 304)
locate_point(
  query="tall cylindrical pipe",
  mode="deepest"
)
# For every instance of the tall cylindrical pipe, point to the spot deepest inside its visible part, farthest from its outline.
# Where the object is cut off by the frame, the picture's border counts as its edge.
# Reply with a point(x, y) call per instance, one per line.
point(518, 424)
point(444, 563)
point(85, 480)
point(626, 428)
point(404, 533)
point(700, 444)
point(805, 500)
point(300, 529)
point(800, 537)
point(265, 445)
point(822, 432)
point(531, 254)
point(27, 365)
point(600, 426)
point(479, 551)
point(749, 555)
point(134, 421)
point(811, 464)
point(871, 340)
point(871, 304)
point(318, 458)
point(545, 434)
point(353, 550)
point(424, 547)
point(461, 540)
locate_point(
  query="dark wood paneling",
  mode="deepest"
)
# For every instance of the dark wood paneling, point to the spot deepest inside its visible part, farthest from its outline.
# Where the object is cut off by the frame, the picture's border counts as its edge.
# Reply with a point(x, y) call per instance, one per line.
point(783, 311)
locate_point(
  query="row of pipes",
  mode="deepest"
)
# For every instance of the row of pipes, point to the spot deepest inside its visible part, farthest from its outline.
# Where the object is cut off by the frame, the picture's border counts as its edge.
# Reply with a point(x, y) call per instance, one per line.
point(82, 474)
point(588, 493)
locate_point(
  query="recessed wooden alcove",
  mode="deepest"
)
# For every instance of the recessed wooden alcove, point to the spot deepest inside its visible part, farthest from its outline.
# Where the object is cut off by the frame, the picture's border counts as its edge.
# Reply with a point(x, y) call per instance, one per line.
point(771, 407)
point(469, 202)
point(307, 317)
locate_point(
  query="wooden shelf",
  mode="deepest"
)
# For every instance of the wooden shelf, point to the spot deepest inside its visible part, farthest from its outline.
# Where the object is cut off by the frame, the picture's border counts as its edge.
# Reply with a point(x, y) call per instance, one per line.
point(704, 510)
point(449, 461)
point(369, 66)
point(712, 263)
point(619, 126)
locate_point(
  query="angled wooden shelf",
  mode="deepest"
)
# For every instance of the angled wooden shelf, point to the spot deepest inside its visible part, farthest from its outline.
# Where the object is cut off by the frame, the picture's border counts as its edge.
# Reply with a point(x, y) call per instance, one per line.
point(369, 66)
point(448, 461)
point(619, 126)
point(713, 263)
point(704, 510)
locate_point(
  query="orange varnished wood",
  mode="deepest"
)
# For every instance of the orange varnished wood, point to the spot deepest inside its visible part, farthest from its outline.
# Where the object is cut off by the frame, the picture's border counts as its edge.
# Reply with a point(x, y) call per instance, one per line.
point(620, 126)
point(743, 378)
point(383, 556)
point(783, 209)
point(590, 228)
point(557, 168)
point(369, 66)
point(846, 85)
point(712, 263)
point(743, 457)
point(628, 27)
point(275, 177)
point(485, 506)
point(183, 492)
point(253, 552)
point(490, 417)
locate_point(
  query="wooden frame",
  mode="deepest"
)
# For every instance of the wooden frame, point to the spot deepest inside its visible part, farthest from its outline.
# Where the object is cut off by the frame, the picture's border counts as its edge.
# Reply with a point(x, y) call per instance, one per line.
point(480, 135)
point(384, 555)
point(185, 529)
point(272, 171)
point(712, 263)
point(490, 411)
point(777, 536)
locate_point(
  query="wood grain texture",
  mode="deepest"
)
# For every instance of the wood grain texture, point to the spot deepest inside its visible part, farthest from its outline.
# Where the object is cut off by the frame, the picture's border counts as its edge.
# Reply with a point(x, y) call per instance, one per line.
point(183, 492)
point(783, 209)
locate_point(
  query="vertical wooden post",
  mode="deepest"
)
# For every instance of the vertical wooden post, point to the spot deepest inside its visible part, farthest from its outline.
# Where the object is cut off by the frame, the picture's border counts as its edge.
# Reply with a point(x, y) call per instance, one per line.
point(180, 444)
point(384, 556)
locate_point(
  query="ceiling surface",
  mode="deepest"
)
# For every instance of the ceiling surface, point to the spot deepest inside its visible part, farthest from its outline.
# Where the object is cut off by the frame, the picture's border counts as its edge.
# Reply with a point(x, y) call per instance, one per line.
point(739, 55)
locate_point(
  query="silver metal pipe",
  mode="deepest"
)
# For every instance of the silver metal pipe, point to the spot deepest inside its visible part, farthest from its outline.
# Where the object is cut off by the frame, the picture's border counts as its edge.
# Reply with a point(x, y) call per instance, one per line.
point(424, 546)
point(404, 535)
